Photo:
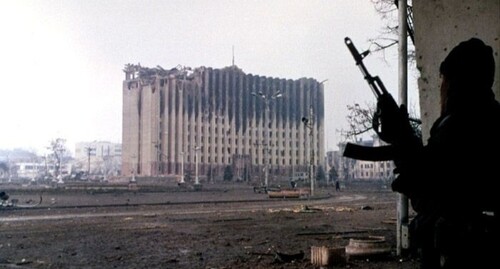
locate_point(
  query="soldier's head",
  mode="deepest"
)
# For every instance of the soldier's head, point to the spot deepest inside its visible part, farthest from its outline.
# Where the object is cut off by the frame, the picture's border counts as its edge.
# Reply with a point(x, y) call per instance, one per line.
point(471, 62)
point(468, 70)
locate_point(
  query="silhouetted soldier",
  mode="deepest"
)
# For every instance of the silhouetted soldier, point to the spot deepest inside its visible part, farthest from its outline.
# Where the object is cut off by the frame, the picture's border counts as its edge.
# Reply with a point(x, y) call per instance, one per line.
point(451, 181)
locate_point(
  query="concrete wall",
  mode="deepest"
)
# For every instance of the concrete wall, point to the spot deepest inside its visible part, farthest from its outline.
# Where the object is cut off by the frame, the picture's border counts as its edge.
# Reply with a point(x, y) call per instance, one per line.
point(439, 26)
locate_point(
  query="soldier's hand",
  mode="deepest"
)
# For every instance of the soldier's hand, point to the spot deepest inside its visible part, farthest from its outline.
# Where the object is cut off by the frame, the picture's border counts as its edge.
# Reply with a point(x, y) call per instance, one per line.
point(390, 122)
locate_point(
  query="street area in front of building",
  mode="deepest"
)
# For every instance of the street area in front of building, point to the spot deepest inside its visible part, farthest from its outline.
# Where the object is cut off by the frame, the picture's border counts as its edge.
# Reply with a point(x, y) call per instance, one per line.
point(221, 226)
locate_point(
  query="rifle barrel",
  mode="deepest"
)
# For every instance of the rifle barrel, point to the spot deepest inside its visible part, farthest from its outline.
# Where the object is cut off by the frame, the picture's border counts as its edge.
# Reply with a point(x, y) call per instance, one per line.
point(358, 58)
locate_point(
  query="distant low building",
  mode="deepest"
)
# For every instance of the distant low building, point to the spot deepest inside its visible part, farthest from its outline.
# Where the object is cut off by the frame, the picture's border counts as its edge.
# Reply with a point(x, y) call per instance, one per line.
point(348, 168)
point(373, 170)
point(98, 157)
point(37, 170)
point(10, 160)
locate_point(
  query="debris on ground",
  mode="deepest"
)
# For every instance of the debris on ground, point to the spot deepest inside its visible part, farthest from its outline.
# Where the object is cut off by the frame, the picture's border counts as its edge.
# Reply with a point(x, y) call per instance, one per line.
point(307, 209)
point(281, 257)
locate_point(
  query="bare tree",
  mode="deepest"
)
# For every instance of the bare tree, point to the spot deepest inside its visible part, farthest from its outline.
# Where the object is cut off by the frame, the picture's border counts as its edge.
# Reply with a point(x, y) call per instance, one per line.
point(360, 121)
point(57, 148)
point(388, 37)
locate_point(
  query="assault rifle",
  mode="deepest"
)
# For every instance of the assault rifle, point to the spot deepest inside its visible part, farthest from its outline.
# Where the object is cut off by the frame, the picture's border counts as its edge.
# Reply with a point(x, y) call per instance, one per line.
point(390, 122)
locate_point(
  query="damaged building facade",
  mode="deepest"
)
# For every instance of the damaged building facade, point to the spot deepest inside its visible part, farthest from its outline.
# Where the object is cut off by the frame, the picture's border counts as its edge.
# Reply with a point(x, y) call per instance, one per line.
point(180, 120)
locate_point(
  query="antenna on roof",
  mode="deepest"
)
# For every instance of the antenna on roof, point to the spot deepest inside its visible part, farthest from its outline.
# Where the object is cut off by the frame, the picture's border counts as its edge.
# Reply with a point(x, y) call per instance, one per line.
point(233, 55)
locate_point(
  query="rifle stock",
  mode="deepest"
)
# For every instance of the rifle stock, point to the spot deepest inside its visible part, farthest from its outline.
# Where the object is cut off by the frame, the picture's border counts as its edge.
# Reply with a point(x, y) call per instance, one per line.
point(382, 153)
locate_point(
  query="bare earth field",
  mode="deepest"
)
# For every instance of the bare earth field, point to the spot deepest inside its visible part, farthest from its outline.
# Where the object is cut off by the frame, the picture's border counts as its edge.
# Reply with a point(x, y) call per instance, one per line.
point(222, 226)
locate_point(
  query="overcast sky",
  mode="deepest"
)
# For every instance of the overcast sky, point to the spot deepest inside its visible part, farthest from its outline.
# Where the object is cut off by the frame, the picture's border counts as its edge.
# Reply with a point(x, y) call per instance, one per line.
point(61, 61)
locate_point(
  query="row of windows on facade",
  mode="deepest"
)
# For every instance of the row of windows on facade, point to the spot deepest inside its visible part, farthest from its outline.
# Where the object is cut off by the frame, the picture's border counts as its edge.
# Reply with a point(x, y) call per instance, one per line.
point(256, 132)
point(277, 152)
point(223, 160)
point(93, 152)
point(382, 165)
point(33, 167)
point(245, 142)
point(372, 174)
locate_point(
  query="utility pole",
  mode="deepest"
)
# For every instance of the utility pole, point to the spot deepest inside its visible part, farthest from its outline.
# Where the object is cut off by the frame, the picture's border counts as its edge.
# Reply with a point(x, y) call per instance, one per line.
point(266, 143)
point(196, 179)
point(159, 167)
point(134, 170)
point(89, 152)
point(197, 185)
point(402, 216)
point(308, 123)
point(182, 168)
point(59, 161)
point(267, 148)
point(183, 71)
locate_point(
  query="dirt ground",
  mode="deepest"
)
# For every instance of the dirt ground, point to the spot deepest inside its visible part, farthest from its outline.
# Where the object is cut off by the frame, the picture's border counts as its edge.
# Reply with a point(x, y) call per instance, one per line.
point(222, 226)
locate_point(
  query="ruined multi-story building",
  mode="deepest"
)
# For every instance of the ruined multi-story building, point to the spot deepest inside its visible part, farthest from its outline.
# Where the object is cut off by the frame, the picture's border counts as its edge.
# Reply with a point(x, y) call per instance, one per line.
point(181, 120)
